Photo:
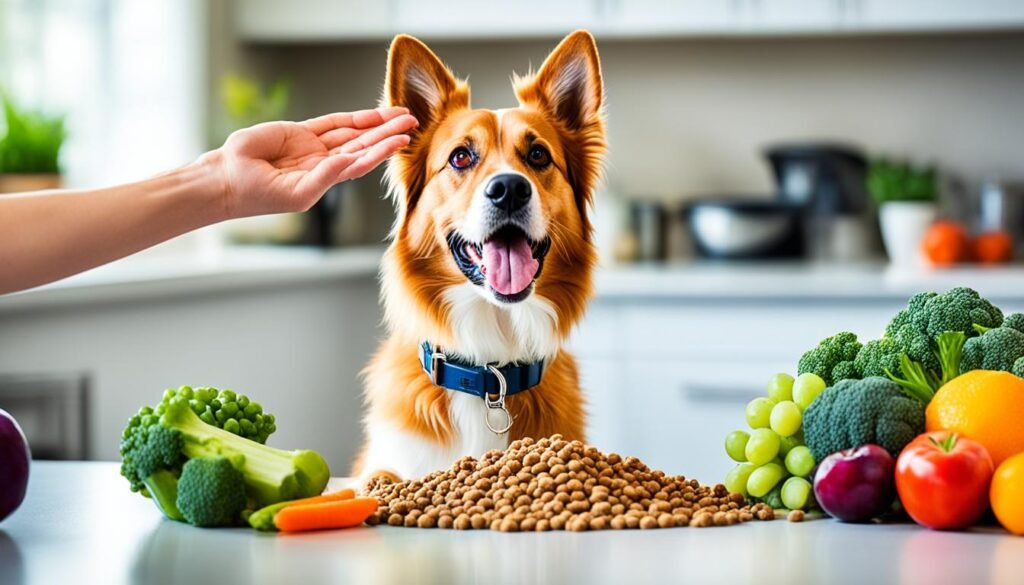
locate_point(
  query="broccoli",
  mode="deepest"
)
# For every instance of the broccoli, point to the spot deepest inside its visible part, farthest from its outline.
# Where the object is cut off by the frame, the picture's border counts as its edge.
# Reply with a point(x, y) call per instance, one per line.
point(856, 412)
point(877, 356)
point(928, 315)
point(833, 358)
point(999, 348)
point(232, 412)
point(1014, 321)
point(158, 444)
point(211, 492)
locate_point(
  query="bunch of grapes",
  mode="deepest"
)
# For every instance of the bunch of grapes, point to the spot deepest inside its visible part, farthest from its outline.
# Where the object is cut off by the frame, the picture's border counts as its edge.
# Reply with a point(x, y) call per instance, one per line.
point(774, 465)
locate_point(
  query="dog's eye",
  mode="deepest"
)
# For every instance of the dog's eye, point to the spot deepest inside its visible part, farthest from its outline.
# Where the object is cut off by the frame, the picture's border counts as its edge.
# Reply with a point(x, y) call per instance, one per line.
point(538, 157)
point(461, 159)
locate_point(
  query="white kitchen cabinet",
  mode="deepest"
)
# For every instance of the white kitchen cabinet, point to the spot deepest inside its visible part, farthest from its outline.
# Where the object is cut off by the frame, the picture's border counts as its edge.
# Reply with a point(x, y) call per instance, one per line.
point(312, 20)
point(349, 21)
point(455, 19)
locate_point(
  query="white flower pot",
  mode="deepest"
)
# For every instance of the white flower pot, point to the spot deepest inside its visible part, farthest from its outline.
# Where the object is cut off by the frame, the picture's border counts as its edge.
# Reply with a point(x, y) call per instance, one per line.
point(903, 225)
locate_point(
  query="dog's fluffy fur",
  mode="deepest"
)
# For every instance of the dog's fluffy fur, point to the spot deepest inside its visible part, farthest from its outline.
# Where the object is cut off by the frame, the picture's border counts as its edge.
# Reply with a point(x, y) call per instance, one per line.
point(412, 426)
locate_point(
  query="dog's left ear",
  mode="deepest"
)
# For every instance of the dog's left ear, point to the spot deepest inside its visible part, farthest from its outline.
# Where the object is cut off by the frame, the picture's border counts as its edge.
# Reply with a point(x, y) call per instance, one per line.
point(569, 84)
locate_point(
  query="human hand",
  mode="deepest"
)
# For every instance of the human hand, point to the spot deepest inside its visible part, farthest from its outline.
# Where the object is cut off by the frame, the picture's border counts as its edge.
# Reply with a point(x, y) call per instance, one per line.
point(279, 167)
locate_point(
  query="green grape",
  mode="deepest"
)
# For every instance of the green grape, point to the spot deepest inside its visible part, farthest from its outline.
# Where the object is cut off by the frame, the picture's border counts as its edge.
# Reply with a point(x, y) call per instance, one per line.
point(780, 387)
point(762, 446)
point(736, 479)
point(763, 479)
point(759, 412)
point(799, 461)
point(736, 444)
point(787, 444)
point(806, 388)
point(795, 493)
point(786, 418)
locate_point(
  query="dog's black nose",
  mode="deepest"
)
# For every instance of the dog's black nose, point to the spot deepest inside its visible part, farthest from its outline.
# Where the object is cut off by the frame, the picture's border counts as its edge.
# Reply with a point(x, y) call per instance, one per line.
point(509, 191)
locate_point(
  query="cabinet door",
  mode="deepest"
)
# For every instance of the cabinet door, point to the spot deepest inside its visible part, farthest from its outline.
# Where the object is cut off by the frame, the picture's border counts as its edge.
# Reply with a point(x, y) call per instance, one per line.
point(332, 20)
point(880, 15)
point(494, 18)
point(791, 16)
point(669, 17)
point(674, 416)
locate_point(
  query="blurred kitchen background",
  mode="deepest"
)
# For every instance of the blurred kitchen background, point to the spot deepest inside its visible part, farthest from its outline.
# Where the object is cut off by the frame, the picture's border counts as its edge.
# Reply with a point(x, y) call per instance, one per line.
point(778, 170)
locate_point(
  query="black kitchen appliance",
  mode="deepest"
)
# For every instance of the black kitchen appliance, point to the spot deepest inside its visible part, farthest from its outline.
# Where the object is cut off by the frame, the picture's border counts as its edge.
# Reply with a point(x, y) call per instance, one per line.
point(746, 227)
point(827, 181)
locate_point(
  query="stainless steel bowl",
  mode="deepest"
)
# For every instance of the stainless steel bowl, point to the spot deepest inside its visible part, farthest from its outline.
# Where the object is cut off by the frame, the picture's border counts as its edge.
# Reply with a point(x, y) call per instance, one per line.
point(745, 228)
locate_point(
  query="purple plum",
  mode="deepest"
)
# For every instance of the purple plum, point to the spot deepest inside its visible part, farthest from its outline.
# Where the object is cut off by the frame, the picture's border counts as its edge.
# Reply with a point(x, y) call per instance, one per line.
point(14, 462)
point(857, 484)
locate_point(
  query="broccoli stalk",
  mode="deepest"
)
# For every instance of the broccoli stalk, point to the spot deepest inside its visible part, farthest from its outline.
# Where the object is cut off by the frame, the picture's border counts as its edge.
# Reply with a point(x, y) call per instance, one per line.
point(917, 382)
point(950, 352)
point(162, 486)
point(271, 475)
point(921, 383)
point(173, 456)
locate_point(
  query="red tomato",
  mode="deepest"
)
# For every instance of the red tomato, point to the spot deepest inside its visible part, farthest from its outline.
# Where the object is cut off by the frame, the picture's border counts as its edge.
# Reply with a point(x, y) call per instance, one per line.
point(943, 480)
point(945, 243)
point(992, 247)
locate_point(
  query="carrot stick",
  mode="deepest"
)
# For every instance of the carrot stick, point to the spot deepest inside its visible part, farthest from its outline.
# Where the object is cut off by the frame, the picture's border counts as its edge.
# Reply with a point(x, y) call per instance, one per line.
point(340, 514)
point(263, 519)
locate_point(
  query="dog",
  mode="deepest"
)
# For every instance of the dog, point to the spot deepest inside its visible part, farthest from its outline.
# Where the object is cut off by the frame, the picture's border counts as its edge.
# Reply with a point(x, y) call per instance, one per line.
point(490, 262)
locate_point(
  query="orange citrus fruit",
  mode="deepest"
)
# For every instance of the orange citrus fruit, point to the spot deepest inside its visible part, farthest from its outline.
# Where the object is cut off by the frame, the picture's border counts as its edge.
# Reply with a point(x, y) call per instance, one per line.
point(985, 406)
point(1007, 494)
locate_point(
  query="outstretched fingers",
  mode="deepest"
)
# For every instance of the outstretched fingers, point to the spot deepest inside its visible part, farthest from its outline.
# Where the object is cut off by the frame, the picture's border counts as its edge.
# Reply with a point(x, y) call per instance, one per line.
point(370, 158)
point(360, 119)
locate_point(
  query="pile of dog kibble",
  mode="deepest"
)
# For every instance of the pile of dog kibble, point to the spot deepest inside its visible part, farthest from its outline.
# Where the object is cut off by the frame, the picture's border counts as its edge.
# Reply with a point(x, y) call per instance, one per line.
point(554, 484)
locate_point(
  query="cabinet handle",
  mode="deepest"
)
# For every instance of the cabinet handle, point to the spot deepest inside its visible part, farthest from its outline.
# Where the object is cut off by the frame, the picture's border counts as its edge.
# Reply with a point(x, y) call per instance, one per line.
point(716, 394)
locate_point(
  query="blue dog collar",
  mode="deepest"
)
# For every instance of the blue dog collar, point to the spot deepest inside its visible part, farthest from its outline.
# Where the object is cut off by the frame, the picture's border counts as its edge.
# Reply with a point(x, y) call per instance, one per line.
point(478, 380)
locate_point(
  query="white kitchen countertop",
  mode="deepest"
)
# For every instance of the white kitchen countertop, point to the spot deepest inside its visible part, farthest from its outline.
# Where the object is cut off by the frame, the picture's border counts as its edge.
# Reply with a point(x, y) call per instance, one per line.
point(81, 524)
point(168, 275)
point(799, 280)
point(240, 267)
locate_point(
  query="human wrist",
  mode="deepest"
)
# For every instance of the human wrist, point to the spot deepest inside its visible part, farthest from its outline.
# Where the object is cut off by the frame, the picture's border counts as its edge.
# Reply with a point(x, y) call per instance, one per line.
point(209, 177)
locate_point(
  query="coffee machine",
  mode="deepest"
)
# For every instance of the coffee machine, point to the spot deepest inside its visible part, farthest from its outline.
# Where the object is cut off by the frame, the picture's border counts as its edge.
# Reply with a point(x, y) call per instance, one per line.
point(827, 181)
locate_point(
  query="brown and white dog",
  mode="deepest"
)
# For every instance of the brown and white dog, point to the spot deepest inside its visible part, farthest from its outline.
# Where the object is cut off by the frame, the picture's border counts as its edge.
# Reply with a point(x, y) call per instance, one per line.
point(491, 255)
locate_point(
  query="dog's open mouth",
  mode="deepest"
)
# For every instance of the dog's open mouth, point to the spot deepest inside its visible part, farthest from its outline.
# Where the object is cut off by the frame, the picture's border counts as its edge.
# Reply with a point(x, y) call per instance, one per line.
point(507, 262)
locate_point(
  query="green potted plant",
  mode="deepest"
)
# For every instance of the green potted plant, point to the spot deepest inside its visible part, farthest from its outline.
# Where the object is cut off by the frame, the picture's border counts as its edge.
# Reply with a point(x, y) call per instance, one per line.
point(30, 144)
point(906, 196)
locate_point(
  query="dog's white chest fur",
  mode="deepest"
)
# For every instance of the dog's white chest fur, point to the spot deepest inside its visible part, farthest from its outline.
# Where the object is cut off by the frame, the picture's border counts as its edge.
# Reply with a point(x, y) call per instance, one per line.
point(484, 333)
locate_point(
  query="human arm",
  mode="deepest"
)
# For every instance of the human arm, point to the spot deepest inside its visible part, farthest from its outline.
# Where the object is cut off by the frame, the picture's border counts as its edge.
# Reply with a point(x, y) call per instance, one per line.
point(269, 168)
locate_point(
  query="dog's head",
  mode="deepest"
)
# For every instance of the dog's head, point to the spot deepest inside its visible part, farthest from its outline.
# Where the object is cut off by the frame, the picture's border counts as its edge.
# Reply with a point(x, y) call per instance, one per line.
point(496, 198)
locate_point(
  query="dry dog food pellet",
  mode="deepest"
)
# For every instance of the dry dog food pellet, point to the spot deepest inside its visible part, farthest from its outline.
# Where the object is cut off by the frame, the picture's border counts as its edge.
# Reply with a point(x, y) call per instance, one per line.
point(795, 516)
point(554, 484)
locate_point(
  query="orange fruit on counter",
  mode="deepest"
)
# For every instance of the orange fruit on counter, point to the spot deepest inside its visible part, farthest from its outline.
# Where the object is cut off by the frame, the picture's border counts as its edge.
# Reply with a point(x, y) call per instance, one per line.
point(985, 406)
point(992, 247)
point(1007, 494)
point(945, 243)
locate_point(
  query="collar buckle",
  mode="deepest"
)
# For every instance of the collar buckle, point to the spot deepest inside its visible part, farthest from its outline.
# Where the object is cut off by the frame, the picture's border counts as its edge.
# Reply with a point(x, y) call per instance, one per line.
point(436, 359)
point(497, 403)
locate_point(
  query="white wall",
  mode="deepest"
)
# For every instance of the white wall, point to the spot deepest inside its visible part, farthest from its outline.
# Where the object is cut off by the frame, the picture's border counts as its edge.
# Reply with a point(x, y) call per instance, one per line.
point(690, 117)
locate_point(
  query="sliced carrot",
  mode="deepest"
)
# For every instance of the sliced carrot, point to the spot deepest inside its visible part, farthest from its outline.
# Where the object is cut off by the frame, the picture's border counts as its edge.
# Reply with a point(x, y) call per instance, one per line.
point(263, 519)
point(325, 515)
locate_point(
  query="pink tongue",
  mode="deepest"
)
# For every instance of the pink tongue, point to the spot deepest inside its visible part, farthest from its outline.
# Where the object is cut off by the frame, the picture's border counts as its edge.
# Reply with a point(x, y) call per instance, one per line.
point(510, 265)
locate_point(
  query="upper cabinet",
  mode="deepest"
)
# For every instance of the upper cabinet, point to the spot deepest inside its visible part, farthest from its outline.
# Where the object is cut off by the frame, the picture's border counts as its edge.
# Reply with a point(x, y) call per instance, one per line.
point(351, 20)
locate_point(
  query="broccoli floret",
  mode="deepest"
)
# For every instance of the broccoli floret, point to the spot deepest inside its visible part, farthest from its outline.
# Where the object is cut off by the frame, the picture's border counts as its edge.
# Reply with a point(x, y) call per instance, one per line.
point(997, 349)
point(928, 315)
point(1014, 321)
point(232, 412)
point(157, 443)
point(856, 412)
point(211, 492)
point(833, 358)
point(877, 356)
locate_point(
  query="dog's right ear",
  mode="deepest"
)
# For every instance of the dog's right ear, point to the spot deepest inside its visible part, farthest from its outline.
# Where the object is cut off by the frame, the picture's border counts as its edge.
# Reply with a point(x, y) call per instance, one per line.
point(418, 80)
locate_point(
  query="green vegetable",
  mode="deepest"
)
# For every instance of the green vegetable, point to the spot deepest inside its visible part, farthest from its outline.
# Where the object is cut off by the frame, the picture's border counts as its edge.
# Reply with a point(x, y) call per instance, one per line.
point(899, 181)
point(917, 382)
point(157, 444)
point(857, 412)
point(773, 498)
point(832, 359)
point(211, 492)
point(878, 356)
point(999, 348)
